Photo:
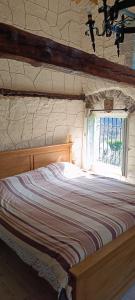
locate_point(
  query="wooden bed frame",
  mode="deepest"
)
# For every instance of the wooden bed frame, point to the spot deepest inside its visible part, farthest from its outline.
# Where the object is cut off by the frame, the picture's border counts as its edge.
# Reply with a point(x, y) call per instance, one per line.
point(108, 273)
point(19, 161)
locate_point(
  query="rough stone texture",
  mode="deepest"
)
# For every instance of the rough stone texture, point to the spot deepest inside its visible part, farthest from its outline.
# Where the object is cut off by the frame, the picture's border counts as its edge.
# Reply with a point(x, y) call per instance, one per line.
point(63, 21)
point(131, 152)
point(36, 122)
point(121, 100)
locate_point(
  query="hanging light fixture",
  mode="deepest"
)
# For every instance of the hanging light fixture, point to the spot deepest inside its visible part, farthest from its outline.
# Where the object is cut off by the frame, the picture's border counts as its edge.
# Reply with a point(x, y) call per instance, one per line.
point(117, 19)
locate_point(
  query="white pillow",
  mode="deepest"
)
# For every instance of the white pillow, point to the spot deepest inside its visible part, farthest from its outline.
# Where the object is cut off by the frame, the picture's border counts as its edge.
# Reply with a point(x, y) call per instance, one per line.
point(65, 169)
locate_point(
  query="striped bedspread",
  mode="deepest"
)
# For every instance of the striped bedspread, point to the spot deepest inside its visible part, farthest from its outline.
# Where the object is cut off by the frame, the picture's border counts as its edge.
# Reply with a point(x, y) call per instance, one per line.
point(63, 215)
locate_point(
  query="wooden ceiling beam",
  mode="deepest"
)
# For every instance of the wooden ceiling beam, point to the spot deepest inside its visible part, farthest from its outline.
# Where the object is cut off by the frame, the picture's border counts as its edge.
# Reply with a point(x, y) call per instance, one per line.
point(93, 1)
point(8, 92)
point(38, 51)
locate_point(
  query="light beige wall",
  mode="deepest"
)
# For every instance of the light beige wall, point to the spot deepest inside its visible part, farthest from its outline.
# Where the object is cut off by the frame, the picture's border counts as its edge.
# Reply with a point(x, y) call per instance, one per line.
point(119, 102)
point(131, 150)
point(37, 122)
point(63, 21)
point(131, 134)
point(60, 20)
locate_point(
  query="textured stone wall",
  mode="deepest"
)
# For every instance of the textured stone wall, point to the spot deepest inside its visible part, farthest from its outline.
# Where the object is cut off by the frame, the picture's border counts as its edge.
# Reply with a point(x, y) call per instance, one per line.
point(131, 149)
point(60, 20)
point(33, 122)
point(121, 100)
point(36, 122)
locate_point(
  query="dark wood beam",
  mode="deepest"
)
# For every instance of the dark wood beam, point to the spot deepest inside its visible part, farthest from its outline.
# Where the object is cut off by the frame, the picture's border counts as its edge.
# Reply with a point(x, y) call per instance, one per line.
point(24, 46)
point(8, 92)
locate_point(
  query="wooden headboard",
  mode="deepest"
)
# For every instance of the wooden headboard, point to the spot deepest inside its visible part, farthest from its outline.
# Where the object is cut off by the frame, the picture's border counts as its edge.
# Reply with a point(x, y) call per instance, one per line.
point(19, 161)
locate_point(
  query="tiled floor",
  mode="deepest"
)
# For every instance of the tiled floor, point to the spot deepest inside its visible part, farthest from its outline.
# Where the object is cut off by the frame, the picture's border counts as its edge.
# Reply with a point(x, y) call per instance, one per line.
point(19, 282)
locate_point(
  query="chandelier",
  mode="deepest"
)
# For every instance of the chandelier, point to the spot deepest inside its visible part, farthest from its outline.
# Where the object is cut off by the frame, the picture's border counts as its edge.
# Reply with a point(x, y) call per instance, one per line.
point(117, 20)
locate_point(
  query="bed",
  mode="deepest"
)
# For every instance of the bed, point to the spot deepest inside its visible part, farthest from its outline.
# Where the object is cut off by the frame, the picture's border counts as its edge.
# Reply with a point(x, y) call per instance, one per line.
point(100, 270)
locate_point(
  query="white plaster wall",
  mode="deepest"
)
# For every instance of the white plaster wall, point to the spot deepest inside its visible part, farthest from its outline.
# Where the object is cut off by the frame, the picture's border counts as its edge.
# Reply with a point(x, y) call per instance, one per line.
point(60, 20)
point(63, 21)
point(131, 150)
point(36, 122)
point(120, 103)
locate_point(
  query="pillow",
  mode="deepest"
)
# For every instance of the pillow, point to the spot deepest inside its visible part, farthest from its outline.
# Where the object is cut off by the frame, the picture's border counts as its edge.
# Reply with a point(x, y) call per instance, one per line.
point(65, 169)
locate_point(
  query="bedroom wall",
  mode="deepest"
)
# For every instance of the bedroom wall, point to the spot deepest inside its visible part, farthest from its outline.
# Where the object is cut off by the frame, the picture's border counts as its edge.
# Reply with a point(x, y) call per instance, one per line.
point(26, 122)
point(37, 122)
point(121, 100)
point(61, 20)
point(131, 152)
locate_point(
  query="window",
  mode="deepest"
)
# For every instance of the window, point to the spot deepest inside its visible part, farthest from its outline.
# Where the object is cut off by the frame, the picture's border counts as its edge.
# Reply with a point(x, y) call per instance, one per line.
point(107, 144)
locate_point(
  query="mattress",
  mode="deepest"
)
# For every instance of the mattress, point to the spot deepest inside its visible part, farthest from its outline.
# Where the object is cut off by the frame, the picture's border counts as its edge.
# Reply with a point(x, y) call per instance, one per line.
point(55, 217)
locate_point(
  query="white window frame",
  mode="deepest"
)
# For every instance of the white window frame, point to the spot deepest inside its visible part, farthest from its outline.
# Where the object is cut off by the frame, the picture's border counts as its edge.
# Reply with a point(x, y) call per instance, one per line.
point(90, 142)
